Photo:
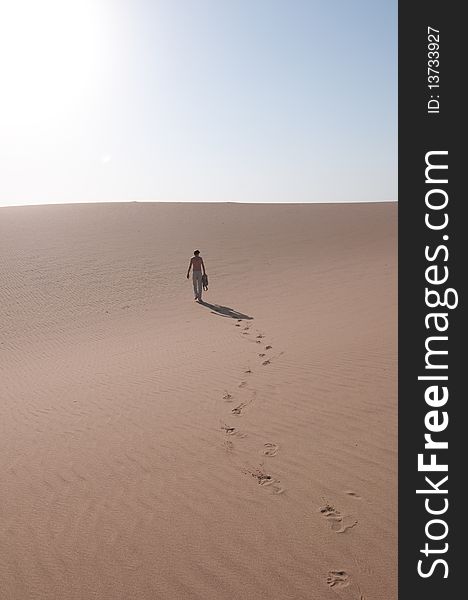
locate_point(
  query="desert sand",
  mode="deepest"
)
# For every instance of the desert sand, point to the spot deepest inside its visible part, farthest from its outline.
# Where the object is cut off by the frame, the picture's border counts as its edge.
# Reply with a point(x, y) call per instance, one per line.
point(155, 448)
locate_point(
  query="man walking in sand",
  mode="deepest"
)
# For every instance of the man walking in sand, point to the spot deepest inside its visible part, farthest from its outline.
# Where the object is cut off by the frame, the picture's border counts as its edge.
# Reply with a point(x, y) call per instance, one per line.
point(196, 262)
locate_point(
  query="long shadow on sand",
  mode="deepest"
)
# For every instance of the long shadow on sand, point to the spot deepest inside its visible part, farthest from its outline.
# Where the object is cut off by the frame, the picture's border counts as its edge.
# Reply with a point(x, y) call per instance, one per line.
point(225, 311)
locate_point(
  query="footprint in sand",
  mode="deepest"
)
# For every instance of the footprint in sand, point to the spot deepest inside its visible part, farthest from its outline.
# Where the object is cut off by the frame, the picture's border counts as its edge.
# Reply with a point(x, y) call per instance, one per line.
point(341, 583)
point(237, 325)
point(228, 430)
point(275, 486)
point(339, 579)
point(262, 354)
point(228, 446)
point(260, 336)
point(339, 523)
point(242, 384)
point(227, 397)
point(268, 347)
point(238, 409)
point(248, 371)
point(265, 479)
point(353, 494)
point(266, 362)
point(270, 449)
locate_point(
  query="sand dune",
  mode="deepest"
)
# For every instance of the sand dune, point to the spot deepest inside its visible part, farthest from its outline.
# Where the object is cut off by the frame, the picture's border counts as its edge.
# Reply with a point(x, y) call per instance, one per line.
point(155, 448)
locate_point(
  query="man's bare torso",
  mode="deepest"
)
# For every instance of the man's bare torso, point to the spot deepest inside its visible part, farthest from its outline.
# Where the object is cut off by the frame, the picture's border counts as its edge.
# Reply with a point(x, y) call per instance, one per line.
point(197, 263)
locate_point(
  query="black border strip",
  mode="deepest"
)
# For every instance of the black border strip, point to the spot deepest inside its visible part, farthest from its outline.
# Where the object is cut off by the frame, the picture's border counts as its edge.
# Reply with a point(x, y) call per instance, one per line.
point(420, 132)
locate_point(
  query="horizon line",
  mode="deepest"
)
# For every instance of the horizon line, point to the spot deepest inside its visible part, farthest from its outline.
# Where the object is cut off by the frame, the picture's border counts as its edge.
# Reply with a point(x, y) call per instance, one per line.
point(193, 202)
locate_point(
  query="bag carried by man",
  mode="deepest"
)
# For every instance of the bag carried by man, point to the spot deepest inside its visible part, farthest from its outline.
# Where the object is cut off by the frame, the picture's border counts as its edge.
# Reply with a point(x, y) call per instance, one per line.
point(205, 281)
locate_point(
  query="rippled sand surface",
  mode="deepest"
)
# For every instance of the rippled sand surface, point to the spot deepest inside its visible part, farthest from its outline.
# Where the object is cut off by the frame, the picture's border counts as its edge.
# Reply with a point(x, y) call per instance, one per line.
point(155, 448)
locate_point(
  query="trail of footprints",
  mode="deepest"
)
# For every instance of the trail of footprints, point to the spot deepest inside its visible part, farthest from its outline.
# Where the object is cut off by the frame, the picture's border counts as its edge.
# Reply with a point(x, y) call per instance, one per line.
point(260, 473)
point(339, 581)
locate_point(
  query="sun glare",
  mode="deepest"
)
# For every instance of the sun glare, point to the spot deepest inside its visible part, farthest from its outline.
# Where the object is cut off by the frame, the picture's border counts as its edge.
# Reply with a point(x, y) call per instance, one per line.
point(48, 58)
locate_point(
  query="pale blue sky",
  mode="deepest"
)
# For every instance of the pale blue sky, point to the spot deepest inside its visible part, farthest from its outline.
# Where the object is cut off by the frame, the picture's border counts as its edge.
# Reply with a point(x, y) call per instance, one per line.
point(198, 100)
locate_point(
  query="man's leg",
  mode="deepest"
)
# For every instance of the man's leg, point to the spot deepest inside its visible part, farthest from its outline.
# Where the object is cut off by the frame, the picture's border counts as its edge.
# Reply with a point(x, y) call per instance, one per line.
point(195, 284)
point(200, 286)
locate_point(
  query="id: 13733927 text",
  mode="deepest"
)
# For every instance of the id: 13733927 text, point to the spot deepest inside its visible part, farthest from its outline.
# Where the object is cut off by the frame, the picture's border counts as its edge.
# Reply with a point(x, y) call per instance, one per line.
point(433, 73)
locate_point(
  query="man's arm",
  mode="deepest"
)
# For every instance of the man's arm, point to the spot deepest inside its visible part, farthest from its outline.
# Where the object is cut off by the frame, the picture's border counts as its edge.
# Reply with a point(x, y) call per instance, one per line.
point(189, 267)
point(203, 265)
